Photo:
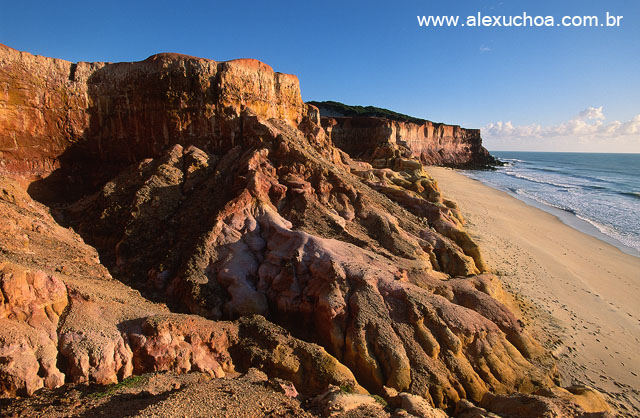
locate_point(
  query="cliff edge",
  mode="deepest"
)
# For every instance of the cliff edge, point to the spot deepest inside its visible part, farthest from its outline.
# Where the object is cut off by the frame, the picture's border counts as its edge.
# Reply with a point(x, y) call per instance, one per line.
point(123, 112)
point(371, 132)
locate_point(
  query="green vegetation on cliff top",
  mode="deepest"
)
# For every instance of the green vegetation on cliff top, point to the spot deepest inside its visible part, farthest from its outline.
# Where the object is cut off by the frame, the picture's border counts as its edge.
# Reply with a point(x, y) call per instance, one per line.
point(337, 108)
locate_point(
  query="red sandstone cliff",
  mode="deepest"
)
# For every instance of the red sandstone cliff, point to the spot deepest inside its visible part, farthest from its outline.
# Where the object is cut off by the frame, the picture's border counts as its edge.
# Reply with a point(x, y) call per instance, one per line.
point(123, 112)
point(238, 222)
point(371, 134)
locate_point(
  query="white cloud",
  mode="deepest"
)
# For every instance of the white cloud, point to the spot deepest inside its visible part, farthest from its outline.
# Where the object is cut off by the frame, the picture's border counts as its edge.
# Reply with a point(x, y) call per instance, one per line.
point(588, 130)
point(631, 127)
point(591, 113)
point(484, 48)
point(588, 122)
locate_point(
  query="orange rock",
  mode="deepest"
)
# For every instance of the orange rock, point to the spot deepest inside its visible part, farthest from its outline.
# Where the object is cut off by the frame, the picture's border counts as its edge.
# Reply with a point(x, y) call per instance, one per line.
point(127, 111)
point(519, 405)
point(31, 303)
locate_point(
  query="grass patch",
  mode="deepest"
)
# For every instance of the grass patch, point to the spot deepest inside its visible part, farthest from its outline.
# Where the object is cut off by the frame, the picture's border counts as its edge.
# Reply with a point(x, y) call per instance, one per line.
point(380, 400)
point(347, 389)
point(129, 382)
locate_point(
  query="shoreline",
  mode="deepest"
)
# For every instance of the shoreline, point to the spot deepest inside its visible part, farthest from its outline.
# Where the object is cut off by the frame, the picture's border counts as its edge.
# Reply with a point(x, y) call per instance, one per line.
point(568, 218)
point(577, 293)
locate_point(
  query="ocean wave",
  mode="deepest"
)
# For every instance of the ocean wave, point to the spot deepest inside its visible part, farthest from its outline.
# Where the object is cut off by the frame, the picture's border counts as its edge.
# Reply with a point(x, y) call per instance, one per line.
point(550, 170)
point(605, 197)
point(612, 233)
point(539, 181)
point(590, 186)
point(569, 175)
point(590, 178)
point(632, 194)
point(567, 172)
point(609, 231)
point(594, 187)
point(524, 193)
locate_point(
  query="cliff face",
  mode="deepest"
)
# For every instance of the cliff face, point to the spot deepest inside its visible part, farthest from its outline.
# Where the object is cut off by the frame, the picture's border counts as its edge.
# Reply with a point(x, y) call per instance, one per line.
point(127, 111)
point(238, 212)
point(376, 134)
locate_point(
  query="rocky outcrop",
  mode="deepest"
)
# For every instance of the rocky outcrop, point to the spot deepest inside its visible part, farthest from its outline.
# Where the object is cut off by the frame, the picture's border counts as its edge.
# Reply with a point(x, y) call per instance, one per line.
point(336, 403)
point(284, 227)
point(31, 303)
point(557, 403)
point(371, 134)
point(239, 237)
point(268, 347)
point(63, 318)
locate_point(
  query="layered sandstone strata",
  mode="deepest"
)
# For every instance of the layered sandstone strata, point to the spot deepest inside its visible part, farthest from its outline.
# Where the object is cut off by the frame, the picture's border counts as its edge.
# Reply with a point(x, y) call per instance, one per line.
point(124, 112)
point(373, 134)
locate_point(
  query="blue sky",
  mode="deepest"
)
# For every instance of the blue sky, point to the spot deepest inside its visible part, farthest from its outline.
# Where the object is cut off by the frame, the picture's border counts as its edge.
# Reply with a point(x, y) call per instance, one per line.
point(526, 87)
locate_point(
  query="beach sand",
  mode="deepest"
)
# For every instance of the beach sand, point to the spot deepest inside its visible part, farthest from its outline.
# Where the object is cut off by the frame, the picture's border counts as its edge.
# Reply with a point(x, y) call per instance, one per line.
point(580, 296)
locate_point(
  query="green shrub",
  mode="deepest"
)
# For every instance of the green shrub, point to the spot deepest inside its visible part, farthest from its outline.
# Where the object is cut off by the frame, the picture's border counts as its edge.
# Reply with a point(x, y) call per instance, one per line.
point(347, 388)
point(129, 382)
point(380, 400)
point(368, 111)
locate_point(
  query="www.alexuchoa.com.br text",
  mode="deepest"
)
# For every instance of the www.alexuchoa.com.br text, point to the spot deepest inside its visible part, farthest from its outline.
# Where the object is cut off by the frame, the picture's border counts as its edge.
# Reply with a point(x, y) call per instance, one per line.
point(523, 20)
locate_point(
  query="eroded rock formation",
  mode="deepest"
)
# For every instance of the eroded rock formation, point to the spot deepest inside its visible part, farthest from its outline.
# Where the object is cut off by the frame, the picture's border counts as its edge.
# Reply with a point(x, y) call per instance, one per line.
point(64, 318)
point(233, 234)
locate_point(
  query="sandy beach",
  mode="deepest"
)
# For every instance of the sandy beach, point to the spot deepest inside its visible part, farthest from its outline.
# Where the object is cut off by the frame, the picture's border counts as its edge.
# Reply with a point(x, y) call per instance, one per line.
point(579, 295)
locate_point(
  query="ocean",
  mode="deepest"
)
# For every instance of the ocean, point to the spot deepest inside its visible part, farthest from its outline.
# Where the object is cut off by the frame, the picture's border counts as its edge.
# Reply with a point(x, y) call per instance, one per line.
point(598, 194)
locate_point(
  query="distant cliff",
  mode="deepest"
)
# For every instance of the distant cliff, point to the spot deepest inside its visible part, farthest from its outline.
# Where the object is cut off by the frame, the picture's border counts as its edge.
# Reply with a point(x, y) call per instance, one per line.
point(372, 132)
